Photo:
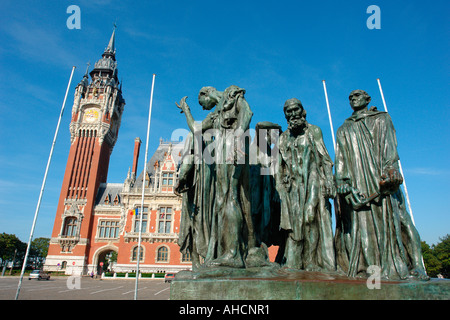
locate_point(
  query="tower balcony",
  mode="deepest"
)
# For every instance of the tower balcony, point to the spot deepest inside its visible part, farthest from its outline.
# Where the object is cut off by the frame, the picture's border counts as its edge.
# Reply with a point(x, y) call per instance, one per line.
point(151, 237)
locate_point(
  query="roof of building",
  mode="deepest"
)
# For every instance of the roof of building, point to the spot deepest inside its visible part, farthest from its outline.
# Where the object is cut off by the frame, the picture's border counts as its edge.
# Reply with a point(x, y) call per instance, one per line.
point(158, 156)
point(108, 193)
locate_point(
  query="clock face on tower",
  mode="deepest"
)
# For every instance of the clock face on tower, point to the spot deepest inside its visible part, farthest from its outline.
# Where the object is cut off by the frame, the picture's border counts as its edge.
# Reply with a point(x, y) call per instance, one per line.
point(91, 115)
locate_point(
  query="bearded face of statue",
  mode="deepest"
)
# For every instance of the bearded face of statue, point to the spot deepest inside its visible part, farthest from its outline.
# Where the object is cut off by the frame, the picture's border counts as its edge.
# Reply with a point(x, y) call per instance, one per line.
point(295, 116)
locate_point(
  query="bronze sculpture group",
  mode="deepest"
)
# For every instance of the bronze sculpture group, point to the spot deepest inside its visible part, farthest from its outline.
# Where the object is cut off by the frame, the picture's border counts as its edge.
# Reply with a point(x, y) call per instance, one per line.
point(239, 196)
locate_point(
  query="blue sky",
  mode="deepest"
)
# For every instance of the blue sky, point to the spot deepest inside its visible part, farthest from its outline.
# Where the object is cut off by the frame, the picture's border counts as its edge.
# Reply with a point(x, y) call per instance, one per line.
point(276, 50)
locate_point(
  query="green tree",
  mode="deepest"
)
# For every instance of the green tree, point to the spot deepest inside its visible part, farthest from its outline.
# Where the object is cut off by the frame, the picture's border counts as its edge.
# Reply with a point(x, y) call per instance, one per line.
point(442, 253)
point(432, 264)
point(8, 245)
point(113, 257)
point(38, 251)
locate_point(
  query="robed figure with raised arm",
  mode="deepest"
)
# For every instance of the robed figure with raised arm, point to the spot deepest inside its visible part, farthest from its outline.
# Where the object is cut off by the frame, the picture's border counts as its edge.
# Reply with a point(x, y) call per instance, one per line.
point(196, 181)
point(216, 221)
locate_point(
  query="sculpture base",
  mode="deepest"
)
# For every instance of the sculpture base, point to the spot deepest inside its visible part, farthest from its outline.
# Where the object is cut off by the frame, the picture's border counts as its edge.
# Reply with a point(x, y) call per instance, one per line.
point(281, 284)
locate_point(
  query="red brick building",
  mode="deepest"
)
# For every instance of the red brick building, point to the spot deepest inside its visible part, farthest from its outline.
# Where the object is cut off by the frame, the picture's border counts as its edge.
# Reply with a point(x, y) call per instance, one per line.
point(93, 217)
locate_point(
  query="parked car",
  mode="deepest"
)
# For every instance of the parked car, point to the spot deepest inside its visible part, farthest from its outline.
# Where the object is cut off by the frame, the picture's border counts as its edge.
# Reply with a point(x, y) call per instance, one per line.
point(169, 277)
point(38, 274)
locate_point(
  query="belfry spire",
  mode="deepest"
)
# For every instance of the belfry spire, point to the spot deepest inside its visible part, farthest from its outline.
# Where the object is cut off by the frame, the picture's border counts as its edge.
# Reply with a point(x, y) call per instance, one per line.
point(106, 67)
point(111, 45)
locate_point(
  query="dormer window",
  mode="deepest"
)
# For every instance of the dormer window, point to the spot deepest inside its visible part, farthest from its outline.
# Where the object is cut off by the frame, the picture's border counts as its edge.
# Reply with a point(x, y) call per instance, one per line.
point(147, 180)
point(167, 179)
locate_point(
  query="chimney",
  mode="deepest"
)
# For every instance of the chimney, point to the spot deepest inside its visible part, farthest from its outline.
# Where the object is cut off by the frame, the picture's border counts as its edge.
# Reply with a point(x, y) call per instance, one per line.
point(137, 146)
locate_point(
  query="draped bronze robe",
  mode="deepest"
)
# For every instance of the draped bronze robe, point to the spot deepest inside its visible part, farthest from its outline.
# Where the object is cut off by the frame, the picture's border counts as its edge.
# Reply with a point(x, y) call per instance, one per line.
point(381, 233)
point(304, 168)
point(198, 201)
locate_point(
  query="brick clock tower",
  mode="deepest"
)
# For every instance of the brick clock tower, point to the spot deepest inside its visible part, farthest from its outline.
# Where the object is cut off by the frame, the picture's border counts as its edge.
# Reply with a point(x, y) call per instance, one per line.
point(96, 116)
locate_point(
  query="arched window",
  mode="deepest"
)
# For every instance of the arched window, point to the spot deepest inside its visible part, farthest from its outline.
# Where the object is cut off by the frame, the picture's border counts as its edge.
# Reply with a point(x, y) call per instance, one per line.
point(163, 255)
point(70, 227)
point(135, 253)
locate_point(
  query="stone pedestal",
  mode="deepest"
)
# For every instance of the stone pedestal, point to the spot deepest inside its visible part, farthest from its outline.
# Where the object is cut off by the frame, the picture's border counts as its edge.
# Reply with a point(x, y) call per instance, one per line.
point(245, 284)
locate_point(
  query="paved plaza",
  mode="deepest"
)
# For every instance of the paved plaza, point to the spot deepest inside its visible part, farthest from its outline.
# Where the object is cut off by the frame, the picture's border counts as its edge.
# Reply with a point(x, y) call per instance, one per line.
point(65, 288)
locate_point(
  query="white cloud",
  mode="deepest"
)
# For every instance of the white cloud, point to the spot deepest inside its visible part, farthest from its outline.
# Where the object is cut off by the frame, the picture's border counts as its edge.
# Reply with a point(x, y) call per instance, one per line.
point(32, 41)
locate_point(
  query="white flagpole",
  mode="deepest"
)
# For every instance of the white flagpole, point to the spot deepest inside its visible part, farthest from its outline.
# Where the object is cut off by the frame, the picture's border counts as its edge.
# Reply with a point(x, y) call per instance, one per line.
point(143, 191)
point(399, 163)
point(329, 114)
point(336, 201)
point(42, 187)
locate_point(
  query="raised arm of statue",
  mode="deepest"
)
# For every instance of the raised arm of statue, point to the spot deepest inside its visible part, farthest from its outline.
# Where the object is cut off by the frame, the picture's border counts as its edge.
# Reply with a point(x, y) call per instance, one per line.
point(206, 124)
point(187, 111)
